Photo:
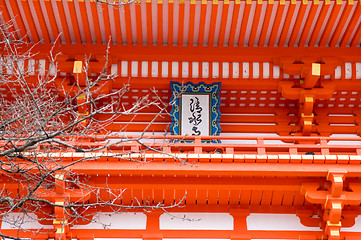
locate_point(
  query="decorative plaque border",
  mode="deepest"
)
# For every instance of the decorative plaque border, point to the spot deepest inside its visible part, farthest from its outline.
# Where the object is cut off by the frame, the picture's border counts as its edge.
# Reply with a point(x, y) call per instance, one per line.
point(194, 89)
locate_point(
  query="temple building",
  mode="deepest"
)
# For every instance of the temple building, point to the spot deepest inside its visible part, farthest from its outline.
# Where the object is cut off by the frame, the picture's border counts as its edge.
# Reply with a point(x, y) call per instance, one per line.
point(250, 131)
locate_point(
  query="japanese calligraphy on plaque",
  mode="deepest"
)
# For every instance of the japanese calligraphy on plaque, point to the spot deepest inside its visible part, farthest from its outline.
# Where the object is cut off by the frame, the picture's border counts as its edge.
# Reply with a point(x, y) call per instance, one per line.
point(195, 109)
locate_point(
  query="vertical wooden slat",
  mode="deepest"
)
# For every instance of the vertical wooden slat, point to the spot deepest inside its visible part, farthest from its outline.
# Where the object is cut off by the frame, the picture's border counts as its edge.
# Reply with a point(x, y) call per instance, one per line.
point(160, 22)
point(170, 70)
point(230, 70)
point(281, 8)
point(325, 8)
point(220, 70)
point(310, 18)
point(39, 20)
point(266, 197)
point(222, 31)
point(202, 196)
point(256, 197)
point(232, 34)
point(106, 23)
point(202, 22)
point(191, 22)
point(287, 23)
point(298, 23)
point(341, 23)
point(138, 15)
point(150, 69)
point(352, 25)
point(149, 22)
point(212, 196)
point(223, 197)
point(255, 23)
point(7, 17)
point(330, 23)
point(29, 19)
point(128, 24)
point(170, 22)
point(356, 39)
point(181, 23)
point(266, 23)
point(213, 23)
point(18, 18)
point(160, 71)
point(76, 28)
point(96, 26)
point(244, 24)
point(84, 19)
point(234, 196)
point(277, 198)
point(245, 197)
point(118, 30)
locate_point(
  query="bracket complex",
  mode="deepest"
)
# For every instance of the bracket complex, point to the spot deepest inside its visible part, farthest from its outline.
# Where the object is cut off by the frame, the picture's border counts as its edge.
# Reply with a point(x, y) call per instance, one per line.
point(310, 86)
point(332, 197)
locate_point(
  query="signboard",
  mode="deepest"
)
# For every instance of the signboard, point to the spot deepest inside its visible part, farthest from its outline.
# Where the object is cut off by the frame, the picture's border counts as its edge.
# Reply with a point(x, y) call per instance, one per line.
point(195, 108)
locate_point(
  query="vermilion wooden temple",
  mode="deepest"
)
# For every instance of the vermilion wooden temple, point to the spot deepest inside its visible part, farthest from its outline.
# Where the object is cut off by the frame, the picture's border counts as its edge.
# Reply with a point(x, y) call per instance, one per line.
point(288, 163)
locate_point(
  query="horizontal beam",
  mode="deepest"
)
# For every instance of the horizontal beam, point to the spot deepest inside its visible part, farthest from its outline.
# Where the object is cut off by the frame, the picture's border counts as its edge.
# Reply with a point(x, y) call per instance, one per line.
point(200, 54)
point(213, 169)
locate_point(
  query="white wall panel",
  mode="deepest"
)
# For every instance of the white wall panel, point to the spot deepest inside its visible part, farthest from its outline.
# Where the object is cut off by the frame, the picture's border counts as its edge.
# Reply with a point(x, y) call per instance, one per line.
point(116, 221)
point(24, 221)
point(196, 221)
point(276, 222)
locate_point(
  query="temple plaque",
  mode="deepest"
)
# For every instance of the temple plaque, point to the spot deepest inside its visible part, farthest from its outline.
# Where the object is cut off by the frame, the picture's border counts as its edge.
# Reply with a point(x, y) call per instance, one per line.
point(195, 108)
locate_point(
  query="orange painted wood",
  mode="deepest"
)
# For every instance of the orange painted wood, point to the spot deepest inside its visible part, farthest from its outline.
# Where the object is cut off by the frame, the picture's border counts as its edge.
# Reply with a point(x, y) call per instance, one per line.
point(6, 14)
point(245, 19)
point(232, 34)
point(212, 26)
point(319, 23)
point(277, 22)
point(85, 23)
point(310, 18)
point(18, 18)
point(222, 31)
point(118, 30)
point(342, 23)
point(202, 23)
point(287, 23)
point(191, 23)
point(128, 25)
point(30, 21)
point(181, 23)
point(266, 23)
point(255, 23)
point(106, 17)
point(94, 11)
point(139, 25)
point(326, 34)
point(297, 26)
point(74, 21)
point(357, 38)
point(160, 23)
point(40, 17)
point(353, 22)
point(170, 23)
point(149, 23)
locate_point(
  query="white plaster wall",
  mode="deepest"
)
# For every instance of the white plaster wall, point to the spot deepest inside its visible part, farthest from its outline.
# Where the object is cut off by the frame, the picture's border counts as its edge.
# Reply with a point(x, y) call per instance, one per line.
point(196, 221)
point(126, 220)
point(276, 222)
point(24, 221)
